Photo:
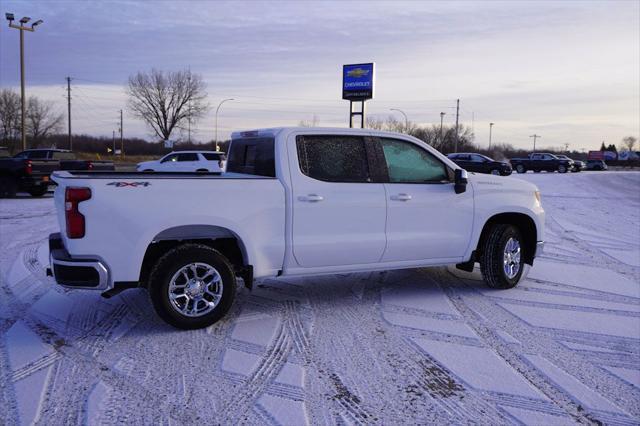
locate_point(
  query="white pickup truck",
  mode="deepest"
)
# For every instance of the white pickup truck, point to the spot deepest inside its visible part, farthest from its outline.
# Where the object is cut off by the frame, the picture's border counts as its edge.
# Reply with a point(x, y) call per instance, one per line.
point(293, 202)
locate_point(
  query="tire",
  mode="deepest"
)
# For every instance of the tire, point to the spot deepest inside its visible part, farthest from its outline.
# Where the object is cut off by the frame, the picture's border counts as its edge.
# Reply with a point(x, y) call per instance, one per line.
point(148, 170)
point(39, 191)
point(168, 269)
point(536, 171)
point(493, 257)
point(202, 171)
point(562, 169)
point(8, 187)
point(521, 169)
point(495, 172)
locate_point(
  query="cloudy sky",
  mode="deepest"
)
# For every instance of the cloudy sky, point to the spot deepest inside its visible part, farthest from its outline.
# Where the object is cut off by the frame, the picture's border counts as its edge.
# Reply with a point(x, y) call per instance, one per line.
point(569, 71)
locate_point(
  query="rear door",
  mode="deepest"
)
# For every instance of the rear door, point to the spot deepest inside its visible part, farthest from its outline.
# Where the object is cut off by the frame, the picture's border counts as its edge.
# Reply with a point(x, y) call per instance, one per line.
point(426, 219)
point(339, 210)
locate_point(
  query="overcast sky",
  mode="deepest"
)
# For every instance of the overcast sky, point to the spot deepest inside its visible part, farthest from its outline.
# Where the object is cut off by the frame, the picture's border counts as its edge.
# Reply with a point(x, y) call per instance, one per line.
point(569, 71)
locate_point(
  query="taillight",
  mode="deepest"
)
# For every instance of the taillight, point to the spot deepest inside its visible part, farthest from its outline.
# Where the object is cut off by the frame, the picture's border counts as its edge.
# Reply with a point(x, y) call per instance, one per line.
point(28, 167)
point(75, 219)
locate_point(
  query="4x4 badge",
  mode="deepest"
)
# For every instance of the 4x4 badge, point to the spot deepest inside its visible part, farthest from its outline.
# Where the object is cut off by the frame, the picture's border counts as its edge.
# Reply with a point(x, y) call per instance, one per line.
point(134, 184)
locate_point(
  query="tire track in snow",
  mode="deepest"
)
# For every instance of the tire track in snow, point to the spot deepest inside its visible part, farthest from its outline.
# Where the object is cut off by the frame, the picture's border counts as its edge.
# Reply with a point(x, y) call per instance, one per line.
point(476, 309)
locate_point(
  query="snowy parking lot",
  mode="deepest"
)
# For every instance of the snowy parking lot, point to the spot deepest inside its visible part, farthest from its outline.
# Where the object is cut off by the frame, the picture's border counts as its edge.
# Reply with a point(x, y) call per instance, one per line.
point(416, 346)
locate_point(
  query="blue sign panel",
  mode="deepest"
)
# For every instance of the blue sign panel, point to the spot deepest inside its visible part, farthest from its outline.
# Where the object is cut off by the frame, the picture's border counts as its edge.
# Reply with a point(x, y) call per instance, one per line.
point(357, 82)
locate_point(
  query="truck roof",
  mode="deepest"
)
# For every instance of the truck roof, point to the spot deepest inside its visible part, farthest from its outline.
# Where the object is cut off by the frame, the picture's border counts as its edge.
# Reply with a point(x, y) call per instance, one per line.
point(273, 131)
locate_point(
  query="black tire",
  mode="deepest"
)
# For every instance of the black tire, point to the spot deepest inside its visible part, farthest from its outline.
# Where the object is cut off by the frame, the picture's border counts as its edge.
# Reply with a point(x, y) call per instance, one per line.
point(521, 169)
point(38, 191)
point(148, 170)
point(492, 261)
point(562, 169)
point(8, 187)
point(536, 171)
point(495, 172)
point(173, 261)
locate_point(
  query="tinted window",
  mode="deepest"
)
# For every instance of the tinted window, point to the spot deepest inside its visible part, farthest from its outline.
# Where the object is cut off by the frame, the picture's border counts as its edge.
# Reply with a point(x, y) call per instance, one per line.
point(23, 154)
point(210, 156)
point(333, 158)
point(191, 156)
point(477, 158)
point(61, 155)
point(41, 155)
point(409, 163)
point(254, 156)
point(172, 157)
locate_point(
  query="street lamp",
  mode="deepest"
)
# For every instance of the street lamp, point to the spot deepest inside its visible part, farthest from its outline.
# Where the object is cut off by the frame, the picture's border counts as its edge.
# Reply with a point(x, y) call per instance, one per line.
point(22, 27)
point(490, 129)
point(406, 120)
point(442, 114)
point(218, 109)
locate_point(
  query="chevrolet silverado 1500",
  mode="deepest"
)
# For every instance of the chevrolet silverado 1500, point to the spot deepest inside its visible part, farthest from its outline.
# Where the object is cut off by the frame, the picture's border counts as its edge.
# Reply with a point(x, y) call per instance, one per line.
point(293, 202)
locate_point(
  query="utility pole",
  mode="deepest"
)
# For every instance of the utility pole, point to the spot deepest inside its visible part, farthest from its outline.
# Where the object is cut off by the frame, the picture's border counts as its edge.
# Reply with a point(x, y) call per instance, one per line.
point(69, 111)
point(566, 147)
point(490, 129)
point(189, 108)
point(121, 137)
point(113, 141)
point(535, 137)
point(22, 27)
point(441, 119)
point(457, 117)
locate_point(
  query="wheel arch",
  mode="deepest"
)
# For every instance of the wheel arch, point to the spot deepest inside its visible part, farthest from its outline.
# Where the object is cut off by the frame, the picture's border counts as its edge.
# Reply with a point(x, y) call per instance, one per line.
point(525, 224)
point(220, 238)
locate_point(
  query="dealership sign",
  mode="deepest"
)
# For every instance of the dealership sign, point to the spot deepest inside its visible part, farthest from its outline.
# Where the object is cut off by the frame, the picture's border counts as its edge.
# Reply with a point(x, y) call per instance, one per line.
point(357, 82)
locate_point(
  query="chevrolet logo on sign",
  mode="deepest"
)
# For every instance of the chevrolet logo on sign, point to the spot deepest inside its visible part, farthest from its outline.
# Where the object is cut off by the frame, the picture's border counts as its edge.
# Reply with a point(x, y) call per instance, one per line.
point(357, 72)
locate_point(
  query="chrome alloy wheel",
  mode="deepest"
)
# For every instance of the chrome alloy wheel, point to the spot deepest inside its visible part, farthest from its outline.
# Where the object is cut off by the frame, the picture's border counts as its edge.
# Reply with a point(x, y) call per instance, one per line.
point(511, 259)
point(195, 289)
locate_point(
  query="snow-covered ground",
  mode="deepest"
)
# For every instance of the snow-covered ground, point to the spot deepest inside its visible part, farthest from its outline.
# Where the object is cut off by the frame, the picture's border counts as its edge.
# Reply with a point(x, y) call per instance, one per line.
point(418, 346)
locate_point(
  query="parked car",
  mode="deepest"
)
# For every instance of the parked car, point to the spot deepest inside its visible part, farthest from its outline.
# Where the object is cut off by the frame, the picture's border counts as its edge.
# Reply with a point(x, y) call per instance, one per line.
point(294, 202)
point(186, 161)
point(578, 165)
point(596, 165)
point(541, 161)
point(29, 170)
point(479, 163)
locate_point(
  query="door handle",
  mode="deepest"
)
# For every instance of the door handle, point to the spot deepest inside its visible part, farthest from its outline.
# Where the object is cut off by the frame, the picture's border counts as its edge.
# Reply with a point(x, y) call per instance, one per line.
point(401, 197)
point(311, 198)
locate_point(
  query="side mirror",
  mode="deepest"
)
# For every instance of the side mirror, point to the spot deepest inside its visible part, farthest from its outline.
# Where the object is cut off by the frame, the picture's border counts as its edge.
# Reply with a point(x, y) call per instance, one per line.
point(460, 181)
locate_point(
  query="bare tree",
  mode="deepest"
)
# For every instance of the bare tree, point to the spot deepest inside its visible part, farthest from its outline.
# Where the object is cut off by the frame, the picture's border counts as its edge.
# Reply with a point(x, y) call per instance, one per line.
point(629, 142)
point(42, 120)
point(167, 100)
point(9, 115)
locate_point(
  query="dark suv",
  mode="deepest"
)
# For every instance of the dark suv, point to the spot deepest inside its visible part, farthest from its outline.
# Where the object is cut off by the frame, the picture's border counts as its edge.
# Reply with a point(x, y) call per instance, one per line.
point(479, 163)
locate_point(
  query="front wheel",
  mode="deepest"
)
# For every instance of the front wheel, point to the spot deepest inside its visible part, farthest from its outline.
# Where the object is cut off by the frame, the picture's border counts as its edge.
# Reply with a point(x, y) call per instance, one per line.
point(501, 264)
point(192, 286)
point(562, 169)
point(520, 168)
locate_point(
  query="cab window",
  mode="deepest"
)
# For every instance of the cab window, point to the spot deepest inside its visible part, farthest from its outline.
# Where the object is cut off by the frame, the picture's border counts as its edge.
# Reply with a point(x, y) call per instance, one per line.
point(409, 163)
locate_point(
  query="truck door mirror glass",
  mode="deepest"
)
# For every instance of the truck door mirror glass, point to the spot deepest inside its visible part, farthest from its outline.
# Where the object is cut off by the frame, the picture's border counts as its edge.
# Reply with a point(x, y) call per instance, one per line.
point(460, 182)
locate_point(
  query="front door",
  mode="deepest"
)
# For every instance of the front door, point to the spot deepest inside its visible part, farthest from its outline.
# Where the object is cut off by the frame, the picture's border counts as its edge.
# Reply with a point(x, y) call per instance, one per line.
point(339, 214)
point(426, 219)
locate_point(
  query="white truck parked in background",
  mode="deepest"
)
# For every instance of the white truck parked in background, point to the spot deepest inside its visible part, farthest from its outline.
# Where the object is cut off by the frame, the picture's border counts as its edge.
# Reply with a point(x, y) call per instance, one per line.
point(293, 202)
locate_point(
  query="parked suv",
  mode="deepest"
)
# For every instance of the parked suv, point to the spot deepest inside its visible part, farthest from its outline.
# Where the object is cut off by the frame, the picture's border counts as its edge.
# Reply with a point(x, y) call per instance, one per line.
point(596, 165)
point(479, 163)
point(186, 161)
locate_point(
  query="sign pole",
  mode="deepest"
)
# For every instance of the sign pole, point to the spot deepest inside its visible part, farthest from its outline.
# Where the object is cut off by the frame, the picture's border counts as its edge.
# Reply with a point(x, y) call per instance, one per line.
point(357, 87)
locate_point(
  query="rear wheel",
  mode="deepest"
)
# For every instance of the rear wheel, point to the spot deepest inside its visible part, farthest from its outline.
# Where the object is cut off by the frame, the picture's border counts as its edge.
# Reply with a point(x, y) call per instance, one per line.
point(8, 187)
point(495, 172)
point(562, 169)
point(38, 191)
point(501, 264)
point(521, 169)
point(192, 286)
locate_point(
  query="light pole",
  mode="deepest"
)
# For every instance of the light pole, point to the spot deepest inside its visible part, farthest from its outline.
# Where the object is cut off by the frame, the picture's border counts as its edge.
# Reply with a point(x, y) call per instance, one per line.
point(218, 109)
point(406, 120)
point(490, 129)
point(22, 27)
point(442, 114)
point(535, 137)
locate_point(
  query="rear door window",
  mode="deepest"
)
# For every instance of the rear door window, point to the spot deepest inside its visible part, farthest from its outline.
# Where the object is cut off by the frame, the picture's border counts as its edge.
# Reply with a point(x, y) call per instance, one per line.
point(333, 158)
point(61, 155)
point(210, 156)
point(188, 156)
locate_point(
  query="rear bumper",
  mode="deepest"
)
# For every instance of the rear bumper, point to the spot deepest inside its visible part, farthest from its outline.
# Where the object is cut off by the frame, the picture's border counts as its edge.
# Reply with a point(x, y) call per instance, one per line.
point(85, 273)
